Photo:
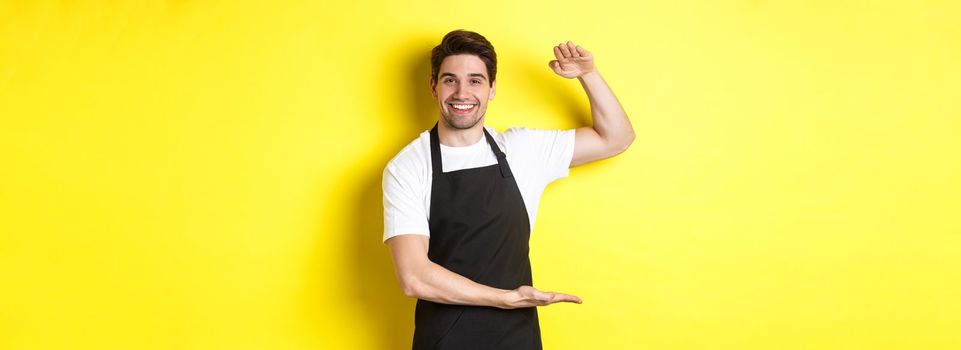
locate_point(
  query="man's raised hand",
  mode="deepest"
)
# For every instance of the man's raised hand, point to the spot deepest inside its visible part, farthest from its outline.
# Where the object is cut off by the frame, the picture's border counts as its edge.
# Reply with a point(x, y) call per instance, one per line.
point(572, 60)
point(527, 296)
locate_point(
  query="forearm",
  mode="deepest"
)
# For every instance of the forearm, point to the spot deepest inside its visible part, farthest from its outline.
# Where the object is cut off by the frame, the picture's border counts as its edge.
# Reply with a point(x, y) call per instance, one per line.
point(435, 283)
point(609, 118)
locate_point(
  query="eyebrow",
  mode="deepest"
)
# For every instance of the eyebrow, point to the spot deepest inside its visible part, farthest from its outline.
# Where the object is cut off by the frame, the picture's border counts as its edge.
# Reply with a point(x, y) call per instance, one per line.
point(445, 74)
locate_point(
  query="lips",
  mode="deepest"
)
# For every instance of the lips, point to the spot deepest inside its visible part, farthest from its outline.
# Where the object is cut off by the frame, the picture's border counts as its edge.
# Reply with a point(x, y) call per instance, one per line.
point(462, 108)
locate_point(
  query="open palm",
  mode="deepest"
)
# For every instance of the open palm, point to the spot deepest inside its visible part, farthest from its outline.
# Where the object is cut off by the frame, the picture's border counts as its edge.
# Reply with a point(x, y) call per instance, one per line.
point(572, 60)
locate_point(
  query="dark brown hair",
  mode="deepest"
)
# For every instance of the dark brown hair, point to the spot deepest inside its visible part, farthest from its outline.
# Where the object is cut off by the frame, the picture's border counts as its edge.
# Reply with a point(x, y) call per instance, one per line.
point(464, 42)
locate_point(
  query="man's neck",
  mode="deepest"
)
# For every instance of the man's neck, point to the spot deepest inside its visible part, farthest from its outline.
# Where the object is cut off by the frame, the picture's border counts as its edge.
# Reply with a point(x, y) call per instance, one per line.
point(452, 137)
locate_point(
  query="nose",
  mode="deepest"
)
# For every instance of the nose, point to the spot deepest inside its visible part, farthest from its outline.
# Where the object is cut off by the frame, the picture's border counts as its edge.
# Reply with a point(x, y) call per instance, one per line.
point(460, 92)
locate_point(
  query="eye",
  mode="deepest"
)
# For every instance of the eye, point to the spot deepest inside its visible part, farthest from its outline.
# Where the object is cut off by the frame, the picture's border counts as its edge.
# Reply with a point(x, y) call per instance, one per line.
point(475, 81)
point(448, 80)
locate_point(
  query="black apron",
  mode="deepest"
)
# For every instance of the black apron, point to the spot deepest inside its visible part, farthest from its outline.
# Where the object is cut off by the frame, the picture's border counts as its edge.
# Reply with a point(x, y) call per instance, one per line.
point(479, 229)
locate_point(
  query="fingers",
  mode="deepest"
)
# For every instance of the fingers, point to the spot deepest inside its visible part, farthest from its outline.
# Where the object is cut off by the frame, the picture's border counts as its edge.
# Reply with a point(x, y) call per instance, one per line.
point(569, 50)
point(573, 49)
point(567, 298)
point(547, 298)
point(581, 51)
point(533, 297)
point(566, 50)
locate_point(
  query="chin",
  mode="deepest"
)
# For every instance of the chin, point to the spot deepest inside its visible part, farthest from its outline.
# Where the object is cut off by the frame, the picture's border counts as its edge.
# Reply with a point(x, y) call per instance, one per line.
point(462, 123)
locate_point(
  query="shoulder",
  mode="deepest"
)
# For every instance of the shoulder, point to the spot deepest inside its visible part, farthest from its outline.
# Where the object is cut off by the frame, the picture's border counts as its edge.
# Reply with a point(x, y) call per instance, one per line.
point(412, 159)
point(547, 153)
point(413, 152)
point(523, 131)
point(522, 136)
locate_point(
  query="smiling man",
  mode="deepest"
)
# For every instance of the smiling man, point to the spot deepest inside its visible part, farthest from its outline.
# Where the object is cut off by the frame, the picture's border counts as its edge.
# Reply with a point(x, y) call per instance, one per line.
point(460, 200)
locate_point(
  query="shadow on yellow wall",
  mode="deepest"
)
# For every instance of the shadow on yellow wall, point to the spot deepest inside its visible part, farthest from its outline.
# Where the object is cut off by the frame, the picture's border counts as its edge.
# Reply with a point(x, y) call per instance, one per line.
point(384, 304)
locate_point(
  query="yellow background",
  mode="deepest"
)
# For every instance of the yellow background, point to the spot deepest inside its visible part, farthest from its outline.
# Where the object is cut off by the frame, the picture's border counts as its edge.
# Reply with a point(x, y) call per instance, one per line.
point(206, 174)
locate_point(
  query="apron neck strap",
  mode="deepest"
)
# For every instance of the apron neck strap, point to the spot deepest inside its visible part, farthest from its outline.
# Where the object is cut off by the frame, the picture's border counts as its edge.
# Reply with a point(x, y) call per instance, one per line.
point(438, 167)
point(501, 156)
point(435, 152)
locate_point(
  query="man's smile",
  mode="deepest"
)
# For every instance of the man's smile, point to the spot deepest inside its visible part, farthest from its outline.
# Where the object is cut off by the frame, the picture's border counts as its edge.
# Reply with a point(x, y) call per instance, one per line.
point(462, 108)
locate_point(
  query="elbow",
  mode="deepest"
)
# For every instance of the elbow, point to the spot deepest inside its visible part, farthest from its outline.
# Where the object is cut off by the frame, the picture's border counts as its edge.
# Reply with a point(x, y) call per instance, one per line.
point(625, 138)
point(411, 286)
point(629, 139)
point(623, 143)
point(410, 292)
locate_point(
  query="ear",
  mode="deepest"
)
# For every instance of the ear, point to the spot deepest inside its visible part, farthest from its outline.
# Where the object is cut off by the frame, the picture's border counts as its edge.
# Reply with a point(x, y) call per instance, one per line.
point(493, 91)
point(433, 86)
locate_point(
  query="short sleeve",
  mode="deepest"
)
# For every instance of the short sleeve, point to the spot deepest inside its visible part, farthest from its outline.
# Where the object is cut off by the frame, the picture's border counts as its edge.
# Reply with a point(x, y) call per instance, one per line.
point(404, 213)
point(550, 150)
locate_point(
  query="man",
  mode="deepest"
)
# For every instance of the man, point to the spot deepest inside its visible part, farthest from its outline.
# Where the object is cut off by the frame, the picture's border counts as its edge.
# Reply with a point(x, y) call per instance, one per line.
point(460, 200)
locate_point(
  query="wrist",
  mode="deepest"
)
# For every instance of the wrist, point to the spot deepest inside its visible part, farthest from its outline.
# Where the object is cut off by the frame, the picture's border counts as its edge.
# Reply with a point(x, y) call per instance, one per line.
point(503, 298)
point(593, 74)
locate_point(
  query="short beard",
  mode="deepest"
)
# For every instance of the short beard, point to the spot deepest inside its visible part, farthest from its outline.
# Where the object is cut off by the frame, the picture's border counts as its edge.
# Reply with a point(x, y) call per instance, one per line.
point(461, 124)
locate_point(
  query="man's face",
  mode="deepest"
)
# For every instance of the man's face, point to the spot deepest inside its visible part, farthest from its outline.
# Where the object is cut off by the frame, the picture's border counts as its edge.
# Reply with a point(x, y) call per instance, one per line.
point(462, 90)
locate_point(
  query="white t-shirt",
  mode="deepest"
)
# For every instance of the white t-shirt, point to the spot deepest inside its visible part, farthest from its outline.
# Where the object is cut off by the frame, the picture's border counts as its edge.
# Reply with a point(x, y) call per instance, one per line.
point(536, 157)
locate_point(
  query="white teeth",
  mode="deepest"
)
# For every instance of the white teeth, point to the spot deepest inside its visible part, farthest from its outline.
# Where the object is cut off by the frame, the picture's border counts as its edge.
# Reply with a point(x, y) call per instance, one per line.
point(463, 107)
